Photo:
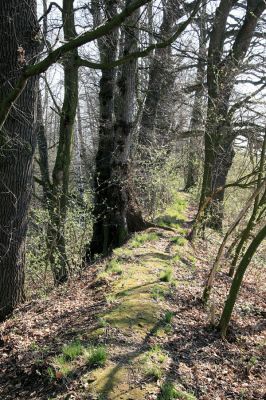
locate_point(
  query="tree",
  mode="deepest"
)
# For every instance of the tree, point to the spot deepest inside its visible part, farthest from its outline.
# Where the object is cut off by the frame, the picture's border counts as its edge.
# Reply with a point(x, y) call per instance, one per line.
point(56, 190)
point(20, 45)
point(221, 76)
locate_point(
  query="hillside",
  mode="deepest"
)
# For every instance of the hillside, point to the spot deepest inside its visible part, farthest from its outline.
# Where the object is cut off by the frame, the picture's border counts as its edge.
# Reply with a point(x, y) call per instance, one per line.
point(133, 327)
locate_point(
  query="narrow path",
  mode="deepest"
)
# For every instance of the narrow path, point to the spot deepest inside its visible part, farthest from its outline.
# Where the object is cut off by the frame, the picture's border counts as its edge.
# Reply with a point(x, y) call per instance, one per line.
point(133, 328)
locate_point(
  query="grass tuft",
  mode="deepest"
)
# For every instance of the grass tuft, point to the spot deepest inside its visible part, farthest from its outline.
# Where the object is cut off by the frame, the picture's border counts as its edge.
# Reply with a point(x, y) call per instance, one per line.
point(169, 392)
point(72, 350)
point(140, 239)
point(114, 267)
point(96, 356)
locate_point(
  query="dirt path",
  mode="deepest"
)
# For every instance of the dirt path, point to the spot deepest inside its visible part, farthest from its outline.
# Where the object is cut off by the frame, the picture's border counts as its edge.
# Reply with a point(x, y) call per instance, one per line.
point(140, 314)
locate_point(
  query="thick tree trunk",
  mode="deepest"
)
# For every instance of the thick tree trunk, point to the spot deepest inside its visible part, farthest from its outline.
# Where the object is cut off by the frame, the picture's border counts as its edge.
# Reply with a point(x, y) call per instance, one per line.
point(219, 156)
point(103, 230)
point(18, 29)
point(156, 118)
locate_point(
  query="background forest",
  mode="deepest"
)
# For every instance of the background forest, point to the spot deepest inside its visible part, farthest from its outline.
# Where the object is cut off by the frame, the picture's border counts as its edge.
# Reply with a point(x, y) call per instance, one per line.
point(126, 124)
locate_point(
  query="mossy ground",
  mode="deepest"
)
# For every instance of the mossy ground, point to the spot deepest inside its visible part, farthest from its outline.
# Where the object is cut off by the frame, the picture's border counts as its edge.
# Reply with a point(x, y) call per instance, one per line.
point(132, 327)
point(138, 302)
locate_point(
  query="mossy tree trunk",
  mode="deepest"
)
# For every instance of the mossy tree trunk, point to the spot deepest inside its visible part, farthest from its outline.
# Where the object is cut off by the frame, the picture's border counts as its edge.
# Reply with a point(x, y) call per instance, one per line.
point(18, 29)
point(237, 280)
point(114, 212)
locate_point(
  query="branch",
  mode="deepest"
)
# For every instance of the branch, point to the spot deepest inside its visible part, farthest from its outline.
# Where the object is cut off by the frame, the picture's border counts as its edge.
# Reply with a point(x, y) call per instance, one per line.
point(141, 53)
point(240, 103)
point(55, 55)
point(49, 10)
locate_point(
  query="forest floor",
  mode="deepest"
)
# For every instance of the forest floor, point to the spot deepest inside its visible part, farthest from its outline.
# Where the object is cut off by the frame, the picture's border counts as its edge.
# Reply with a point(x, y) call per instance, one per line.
point(133, 327)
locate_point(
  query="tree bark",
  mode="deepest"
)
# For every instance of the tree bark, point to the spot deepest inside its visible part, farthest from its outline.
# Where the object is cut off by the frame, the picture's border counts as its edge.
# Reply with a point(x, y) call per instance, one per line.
point(197, 110)
point(56, 192)
point(102, 228)
point(18, 30)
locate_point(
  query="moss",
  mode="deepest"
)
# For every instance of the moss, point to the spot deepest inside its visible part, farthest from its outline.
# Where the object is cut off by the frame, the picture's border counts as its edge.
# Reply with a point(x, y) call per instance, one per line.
point(166, 276)
point(113, 383)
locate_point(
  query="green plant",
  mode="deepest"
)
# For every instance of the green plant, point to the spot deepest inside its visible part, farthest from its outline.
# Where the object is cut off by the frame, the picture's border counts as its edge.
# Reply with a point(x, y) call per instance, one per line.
point(96, 356)
point(72, 350)
point(169, 392)
point(139, 239)
point(154, 372)
point(168, 317)
point(167, 275)
point(102, 322)
point(157, 293)
point(51, 373)
point(62, 366)
point(180, 241)
point(114, 267)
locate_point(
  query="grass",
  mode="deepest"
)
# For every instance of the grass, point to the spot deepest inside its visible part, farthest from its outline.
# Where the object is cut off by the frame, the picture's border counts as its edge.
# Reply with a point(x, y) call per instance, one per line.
point(167, 275)
point(96, 356)
point(62, 368)
point(158, 293)
point(169, 392)
point(154, 372)
point(153, 362)
point(114, 267)
point(140, 239)
point(168, 317)
point(72, 351)
point(180, 241)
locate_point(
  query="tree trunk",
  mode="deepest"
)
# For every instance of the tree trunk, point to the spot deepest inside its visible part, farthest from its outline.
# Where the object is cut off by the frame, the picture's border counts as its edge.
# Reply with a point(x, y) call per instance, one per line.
point(219, 156)
point(221, 74)
point(236, 283)
point(57, 190)
point(197, 114)
point(102, 228)
point(18, 28)
point(156, 117)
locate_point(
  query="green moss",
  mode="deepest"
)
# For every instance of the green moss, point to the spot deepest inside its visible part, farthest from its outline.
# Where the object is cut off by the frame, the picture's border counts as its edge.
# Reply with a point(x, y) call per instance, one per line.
point(167, 275)
point(158, 292)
